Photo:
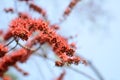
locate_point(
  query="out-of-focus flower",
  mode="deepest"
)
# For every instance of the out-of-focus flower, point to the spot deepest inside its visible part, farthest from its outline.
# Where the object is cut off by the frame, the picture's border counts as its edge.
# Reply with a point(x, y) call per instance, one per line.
point(3, 50)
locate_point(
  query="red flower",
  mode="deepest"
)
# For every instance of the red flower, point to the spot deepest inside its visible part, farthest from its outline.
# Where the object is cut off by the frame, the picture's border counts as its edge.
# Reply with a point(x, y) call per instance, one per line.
point(73, 3)
point(37, 9)
point(9, 10)
point(22, 27)
point(7, 36)
point(67, 11)
point(20, 32)
point(70, 7)
point(55, 27)
point(3, 50)
point(59, 63)
point(10, 60)
point(61, 76)
point(23, 15)
point(7, 77)
point(73, 45)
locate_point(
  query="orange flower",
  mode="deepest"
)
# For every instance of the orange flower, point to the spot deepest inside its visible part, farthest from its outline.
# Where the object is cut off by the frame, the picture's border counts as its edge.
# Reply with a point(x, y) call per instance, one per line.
point(3, 50)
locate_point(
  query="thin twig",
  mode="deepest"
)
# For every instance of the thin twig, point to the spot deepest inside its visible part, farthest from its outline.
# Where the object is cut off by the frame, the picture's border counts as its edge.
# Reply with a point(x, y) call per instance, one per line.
point(13, 47)
point(25, 47)
point(94, 69)
point(39, 69)
point(78, 71)
point(86, 75)
point(49, 67)
point(9, 43)
point(16, 6)
point(82, 73)
point(98, 74)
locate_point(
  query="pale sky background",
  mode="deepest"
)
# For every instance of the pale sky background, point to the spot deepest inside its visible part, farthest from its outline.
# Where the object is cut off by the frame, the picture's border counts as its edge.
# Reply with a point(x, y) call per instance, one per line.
point(98, 41)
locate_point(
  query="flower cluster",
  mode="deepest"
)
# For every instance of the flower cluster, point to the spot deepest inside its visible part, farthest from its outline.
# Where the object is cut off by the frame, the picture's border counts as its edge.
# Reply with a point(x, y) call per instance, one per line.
point(22, 27)
point(21, 33)
point(10, 60)
point(58, 43)
point(7, 35)
point(35, 32)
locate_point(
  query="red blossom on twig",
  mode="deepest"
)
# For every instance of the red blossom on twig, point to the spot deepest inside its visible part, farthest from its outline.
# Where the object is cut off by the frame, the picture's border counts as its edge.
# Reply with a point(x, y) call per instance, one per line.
point(3, 50)
point(38, 9)
point(20, 70)
point(70, 7)
point(21, 28)
point(8, 35)
point(10, 60)
point(61, 76)
point(9, 10)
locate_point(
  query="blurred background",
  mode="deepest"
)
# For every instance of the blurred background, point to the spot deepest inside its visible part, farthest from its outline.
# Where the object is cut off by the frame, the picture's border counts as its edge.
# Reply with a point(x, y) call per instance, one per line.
point(95, 27)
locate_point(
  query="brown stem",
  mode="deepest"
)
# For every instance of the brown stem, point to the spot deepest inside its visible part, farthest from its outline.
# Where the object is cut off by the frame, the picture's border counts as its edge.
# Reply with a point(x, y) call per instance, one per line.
point(9, 43)
point(13, 47)
point(39, 69)
point(25, 47)
point(98, 74)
